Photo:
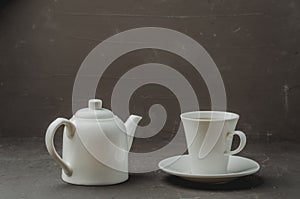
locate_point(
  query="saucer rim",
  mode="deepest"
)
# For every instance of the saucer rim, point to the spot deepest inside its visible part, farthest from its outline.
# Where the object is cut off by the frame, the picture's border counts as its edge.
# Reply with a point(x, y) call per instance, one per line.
point(203, 175)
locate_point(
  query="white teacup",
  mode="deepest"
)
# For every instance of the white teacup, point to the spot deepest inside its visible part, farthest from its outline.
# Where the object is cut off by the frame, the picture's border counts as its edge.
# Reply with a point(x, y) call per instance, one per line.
point(209, 136)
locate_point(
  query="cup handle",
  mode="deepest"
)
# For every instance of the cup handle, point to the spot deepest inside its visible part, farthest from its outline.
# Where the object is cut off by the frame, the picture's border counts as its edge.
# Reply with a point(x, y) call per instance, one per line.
point(49, 139)
point(242, 144)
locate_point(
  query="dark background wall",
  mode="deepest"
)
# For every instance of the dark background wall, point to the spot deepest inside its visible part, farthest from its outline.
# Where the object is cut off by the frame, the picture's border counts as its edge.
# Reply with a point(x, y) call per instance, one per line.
point(255, 45)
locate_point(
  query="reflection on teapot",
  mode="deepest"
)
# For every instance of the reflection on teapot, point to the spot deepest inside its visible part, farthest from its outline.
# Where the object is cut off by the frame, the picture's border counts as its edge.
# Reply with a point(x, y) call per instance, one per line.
point(95, 145)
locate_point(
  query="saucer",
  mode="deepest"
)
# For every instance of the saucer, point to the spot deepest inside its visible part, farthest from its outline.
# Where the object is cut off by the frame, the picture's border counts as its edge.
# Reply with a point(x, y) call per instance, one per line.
point(237, 167)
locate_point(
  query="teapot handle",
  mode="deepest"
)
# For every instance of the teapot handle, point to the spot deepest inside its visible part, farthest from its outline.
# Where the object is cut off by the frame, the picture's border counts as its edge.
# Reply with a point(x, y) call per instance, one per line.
point(70, 130)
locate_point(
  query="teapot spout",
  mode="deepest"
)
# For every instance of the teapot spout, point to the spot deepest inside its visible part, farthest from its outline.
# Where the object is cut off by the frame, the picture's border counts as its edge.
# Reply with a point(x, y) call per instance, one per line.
point(131, 124)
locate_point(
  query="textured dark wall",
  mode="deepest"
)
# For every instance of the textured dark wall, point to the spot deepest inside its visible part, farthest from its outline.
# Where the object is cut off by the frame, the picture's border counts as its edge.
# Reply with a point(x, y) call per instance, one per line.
point(255, 45)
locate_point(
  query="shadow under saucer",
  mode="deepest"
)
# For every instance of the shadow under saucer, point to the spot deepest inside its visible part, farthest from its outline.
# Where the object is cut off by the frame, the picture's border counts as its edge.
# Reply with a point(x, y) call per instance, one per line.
point(247, 182)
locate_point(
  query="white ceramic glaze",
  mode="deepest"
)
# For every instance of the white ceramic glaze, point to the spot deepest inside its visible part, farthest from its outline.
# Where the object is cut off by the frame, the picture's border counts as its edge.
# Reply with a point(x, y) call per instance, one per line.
point(237, 167)
point(95, 146)
point(209, 136)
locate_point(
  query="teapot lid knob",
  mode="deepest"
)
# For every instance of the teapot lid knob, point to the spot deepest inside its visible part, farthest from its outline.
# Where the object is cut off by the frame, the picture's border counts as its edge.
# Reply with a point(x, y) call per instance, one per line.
point(95, 104)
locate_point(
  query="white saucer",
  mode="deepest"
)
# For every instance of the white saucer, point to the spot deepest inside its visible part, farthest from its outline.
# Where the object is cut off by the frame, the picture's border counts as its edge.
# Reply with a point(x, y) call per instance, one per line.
point(237, 167)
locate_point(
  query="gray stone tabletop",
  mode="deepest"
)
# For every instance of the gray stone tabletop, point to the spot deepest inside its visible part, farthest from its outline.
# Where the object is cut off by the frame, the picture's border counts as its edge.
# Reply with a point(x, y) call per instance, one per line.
point(27, 171)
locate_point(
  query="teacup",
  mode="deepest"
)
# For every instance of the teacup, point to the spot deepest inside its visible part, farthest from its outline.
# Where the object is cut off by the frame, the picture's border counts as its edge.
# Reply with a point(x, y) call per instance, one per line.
point(209, 136)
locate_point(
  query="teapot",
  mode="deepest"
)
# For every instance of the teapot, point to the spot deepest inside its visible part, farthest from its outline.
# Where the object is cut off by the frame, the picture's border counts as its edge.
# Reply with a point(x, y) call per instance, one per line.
point(95, 145)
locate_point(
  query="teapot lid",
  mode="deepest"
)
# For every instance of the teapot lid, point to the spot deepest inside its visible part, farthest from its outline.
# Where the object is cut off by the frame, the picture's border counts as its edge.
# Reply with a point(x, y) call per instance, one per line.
point(94, 111)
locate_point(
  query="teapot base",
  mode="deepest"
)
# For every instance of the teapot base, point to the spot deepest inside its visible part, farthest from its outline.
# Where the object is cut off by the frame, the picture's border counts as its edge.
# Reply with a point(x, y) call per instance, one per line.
point(100, 182)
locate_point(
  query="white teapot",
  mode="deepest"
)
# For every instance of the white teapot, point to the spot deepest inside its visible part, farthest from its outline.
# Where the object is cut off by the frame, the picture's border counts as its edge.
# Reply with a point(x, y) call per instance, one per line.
point(95, 145)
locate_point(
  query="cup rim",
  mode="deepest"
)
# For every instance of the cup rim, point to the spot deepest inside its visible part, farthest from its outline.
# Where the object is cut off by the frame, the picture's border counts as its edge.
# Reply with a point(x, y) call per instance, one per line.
point(227, 116)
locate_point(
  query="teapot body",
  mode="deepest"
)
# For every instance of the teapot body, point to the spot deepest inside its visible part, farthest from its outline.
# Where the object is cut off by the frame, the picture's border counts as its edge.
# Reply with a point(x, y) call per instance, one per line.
point(112, 168)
